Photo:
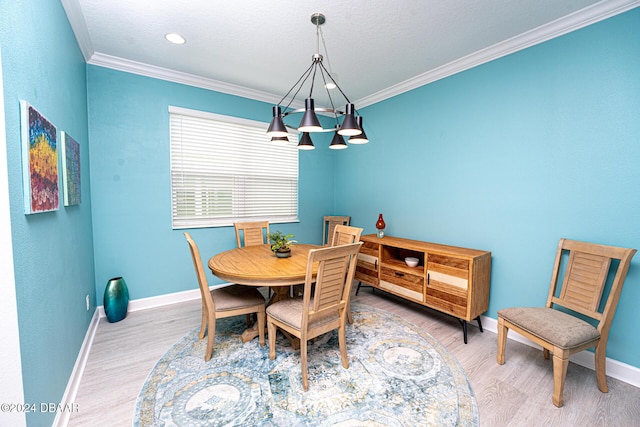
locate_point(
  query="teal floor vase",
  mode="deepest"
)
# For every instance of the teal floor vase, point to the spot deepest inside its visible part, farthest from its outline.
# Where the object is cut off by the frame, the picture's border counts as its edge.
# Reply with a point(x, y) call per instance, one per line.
point(116, 299)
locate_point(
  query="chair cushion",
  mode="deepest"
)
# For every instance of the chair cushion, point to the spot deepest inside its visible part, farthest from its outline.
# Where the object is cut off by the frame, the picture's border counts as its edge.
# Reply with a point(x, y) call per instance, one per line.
point(560, 329)
point(234, 296)
point(289, 311)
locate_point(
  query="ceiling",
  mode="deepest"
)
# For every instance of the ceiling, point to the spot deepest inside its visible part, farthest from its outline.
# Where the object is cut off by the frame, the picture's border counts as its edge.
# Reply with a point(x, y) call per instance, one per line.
point(377, 48)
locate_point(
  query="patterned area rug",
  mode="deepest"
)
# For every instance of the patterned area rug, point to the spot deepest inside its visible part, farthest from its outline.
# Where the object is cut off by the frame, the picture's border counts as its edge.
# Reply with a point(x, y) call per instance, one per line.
point(398, 376)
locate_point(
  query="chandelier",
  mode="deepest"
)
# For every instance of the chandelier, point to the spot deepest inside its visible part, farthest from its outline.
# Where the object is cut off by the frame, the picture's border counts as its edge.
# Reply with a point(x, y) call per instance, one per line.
point(351, 123)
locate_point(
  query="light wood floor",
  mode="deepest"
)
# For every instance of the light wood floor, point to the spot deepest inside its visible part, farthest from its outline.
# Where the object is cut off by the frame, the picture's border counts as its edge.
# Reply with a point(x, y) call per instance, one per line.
point(517, 393)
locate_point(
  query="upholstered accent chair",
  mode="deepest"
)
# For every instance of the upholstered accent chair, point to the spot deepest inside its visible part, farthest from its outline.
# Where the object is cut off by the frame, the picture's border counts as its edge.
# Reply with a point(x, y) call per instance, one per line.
point(575, 317)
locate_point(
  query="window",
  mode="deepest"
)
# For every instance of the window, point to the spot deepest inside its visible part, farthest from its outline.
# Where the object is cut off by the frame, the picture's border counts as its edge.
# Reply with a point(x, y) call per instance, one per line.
point(225, 169)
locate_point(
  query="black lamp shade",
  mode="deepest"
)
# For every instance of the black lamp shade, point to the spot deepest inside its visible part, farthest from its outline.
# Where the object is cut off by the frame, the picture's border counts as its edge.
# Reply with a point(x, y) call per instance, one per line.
point(280, 140)
point(277, 127)
point(337, 143)
point(359, 139)
point(305, 142)
point(309, 122)
point(349, 126)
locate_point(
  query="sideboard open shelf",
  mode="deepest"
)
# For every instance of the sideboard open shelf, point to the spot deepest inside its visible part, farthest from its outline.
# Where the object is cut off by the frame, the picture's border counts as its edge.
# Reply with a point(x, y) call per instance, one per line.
point(449, 279)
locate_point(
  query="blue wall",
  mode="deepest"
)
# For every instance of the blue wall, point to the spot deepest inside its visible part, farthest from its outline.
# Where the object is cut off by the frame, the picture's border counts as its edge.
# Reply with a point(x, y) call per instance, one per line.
point(510, 157)
point(130, 182)
point(53, 251)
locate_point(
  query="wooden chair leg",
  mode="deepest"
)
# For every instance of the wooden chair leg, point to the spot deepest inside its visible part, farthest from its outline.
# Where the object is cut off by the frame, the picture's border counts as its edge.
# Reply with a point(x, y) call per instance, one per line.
point(261, 320)
point(349, 316)
point(342, 340)
point(303, 359)
point(545, 353)
point(560, 364)
point(271, 330)
point(601, 366)
point(203, 326)
point(502, 340)
point(211, 336)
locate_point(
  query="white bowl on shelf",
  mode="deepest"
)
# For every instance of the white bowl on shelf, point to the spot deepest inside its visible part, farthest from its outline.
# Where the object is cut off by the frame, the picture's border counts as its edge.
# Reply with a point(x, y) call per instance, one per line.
point(411, 261)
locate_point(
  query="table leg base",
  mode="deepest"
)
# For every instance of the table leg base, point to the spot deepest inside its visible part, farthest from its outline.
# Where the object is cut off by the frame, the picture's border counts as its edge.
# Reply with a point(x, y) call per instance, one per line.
point(249, 334)
point(252, 332)
point(279, 294)
point(295, 341)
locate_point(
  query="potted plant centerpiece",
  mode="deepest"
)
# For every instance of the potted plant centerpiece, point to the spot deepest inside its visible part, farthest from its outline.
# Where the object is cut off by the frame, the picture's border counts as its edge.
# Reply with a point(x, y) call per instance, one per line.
point(281, 243)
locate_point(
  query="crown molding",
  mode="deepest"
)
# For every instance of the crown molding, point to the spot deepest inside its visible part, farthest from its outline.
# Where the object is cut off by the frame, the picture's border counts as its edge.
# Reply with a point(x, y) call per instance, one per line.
point(142, 69)
point(582, 18)
point(79, 26)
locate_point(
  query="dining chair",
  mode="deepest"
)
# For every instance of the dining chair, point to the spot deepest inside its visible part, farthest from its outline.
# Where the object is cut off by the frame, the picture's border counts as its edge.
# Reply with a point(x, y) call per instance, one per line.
point(328, 225)
point(586, 270)
point(307, 317)
point(345, 235)
point(228, 301)
point(341, 235)
point(254, 233)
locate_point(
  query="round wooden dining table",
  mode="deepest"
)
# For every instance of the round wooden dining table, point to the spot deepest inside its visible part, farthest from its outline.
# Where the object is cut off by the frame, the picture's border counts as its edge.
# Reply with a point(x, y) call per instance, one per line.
point(259, 266)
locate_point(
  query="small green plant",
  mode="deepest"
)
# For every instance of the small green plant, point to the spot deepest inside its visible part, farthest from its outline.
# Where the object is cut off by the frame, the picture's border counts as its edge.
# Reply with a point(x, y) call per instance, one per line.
point(281, 242)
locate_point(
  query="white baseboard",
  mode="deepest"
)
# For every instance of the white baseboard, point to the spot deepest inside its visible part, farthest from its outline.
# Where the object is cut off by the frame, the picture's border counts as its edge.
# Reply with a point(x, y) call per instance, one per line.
point(163, 300)
point(69, 397)
point(615, 369)
point(159, 301)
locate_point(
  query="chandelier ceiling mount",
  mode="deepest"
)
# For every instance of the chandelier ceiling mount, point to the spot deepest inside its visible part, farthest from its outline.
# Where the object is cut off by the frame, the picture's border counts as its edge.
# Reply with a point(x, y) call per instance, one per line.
point(351, 124)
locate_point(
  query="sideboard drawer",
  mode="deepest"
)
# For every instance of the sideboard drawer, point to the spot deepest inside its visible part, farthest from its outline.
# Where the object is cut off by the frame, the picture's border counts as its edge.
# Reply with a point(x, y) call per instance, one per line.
point(367, 269)
point(449, 299)
point(402, 283)
point(367, 276)
point(370, 248)
point(368, 260)
point(448, 284)
point(448, 272)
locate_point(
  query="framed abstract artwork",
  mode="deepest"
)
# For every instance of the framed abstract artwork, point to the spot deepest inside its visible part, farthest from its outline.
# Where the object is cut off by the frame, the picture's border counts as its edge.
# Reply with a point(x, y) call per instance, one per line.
point(39, 161)
point(70, 169)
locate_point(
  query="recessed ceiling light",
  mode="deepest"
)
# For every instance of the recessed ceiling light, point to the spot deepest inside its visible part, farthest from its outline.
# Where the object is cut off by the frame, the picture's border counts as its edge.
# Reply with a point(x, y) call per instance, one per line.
point(175, 38)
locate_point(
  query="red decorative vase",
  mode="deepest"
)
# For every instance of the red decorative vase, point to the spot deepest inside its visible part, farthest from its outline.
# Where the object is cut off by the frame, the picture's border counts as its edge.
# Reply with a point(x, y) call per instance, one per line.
point(380, 225)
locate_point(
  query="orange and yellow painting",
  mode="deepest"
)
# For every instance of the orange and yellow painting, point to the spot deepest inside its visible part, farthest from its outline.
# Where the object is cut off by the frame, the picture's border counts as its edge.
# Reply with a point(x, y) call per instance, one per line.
point(40, 162)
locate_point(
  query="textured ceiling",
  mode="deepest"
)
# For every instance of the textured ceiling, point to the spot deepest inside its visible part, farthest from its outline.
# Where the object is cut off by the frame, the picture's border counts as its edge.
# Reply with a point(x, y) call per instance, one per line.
point(378, 48)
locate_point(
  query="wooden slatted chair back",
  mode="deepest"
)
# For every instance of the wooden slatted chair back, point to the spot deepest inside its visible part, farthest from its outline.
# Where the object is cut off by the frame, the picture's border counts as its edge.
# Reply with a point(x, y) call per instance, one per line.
point(329, 224)
point(585, 278)
point(207, 299)
point(336, 270)
point(345, 235)
point(254, 233)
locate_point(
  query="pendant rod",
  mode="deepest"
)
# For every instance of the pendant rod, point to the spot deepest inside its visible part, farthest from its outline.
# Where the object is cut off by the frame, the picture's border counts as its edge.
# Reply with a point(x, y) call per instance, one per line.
point(340, 89)
point(313, 79)
point(305, 76)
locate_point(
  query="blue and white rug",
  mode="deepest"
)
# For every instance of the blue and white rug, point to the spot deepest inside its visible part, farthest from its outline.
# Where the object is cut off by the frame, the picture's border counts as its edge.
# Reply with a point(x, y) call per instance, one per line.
point(398, 376)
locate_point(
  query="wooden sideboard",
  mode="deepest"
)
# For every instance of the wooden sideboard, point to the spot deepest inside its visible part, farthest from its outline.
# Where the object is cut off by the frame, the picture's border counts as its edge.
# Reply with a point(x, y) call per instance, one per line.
point(449, 279)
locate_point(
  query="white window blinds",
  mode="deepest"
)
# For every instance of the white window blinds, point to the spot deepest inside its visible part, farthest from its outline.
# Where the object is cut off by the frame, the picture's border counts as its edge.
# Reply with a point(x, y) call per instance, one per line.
point(225, 169)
